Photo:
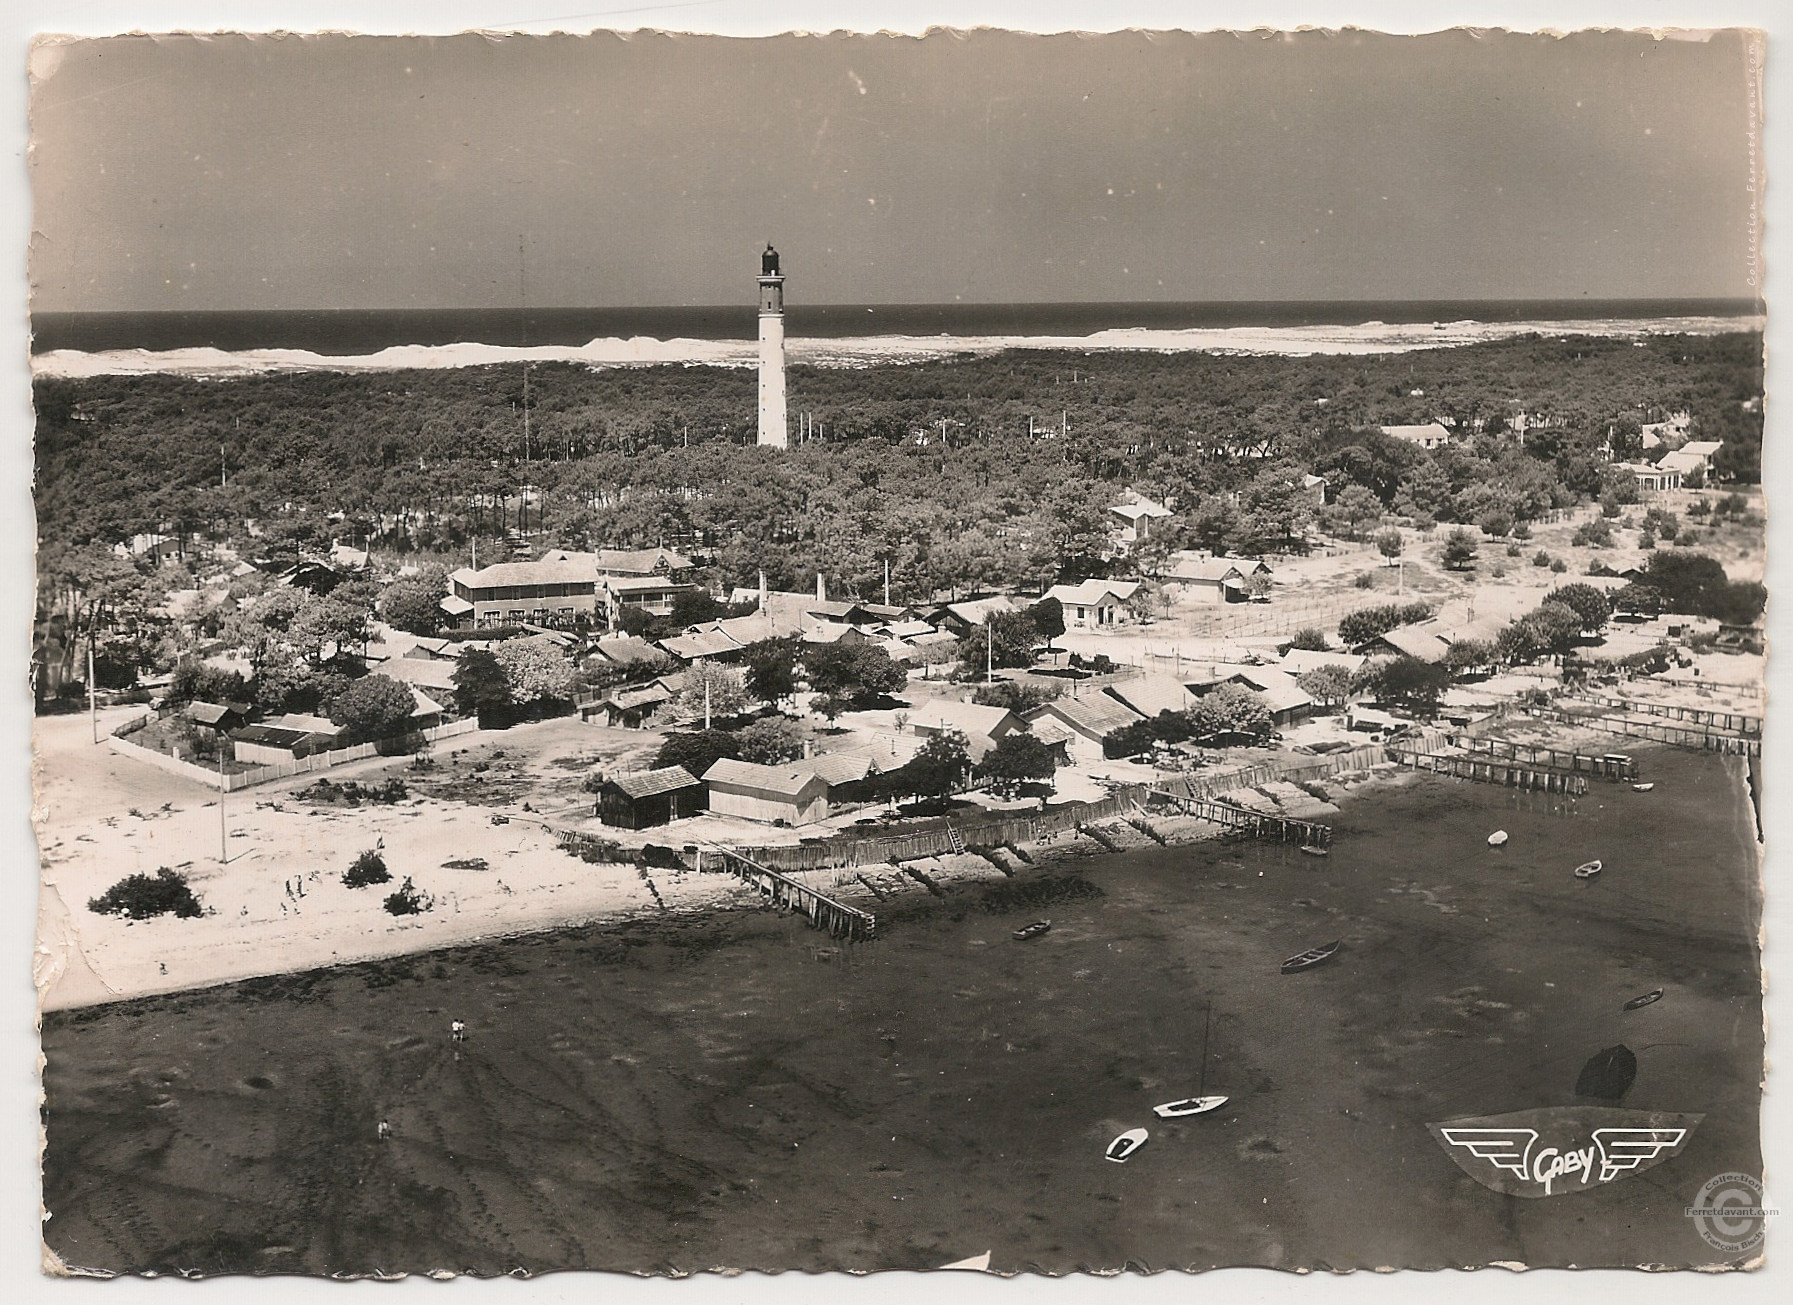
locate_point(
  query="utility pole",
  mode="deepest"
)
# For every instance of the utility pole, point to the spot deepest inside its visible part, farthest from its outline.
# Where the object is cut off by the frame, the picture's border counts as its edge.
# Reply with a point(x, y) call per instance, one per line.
point(223, 828)
point(990, 649)
point(887, 582)
point(706, 699)
point(93, 704)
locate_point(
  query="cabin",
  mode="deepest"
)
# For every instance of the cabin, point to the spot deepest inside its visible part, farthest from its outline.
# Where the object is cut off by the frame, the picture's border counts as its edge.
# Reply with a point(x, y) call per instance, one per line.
point(1095, 604)
point(284, 739)
point(1216, 579)
point(958, 619)
point(1288, 701)
point(1152, 694)
point(981, 726)
point(790, 794)
point(221, 717)
point(1087, 721)
point(1134, 518)
point(632, 708)
point(644, 798)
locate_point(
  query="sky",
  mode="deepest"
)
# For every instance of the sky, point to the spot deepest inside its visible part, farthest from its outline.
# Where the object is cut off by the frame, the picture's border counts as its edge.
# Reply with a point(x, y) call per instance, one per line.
point(183, 173)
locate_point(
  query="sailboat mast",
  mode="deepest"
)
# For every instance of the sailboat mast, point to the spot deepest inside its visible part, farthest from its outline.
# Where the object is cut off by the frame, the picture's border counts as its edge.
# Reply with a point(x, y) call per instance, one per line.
point(1201, 1084)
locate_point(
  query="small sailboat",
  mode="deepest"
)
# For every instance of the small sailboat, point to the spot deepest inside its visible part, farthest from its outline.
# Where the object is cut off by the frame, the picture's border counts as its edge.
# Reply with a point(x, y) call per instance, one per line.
point(977, 1263)
point(1588, 869)
point(1189, 1106)
point(1311, 957)
point(1642, 788)
point(1198, 1104)
point(1498, 838)
point(1648, 999)
point(1033, 930)
point(1123, 1147)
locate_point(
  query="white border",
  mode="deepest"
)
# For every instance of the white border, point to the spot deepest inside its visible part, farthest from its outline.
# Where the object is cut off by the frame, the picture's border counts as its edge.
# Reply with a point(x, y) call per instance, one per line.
point(19, 19)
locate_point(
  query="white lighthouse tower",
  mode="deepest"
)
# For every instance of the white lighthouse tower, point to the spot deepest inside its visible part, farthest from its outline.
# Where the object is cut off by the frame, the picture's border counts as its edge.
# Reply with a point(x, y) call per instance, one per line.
point(773, 431)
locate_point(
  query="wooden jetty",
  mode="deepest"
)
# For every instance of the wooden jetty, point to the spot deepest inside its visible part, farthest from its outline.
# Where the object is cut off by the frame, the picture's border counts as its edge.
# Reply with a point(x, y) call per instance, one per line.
point(1659, 731)
point(1259, 825)
point(824, 912)
point(1729, 722)
point(1613, 766)
point(1486, 770)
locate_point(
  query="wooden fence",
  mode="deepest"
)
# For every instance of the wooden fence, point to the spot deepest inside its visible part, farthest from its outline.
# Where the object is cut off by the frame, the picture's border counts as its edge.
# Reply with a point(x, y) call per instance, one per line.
point(1679, 736)
point(232, 781)
point(1611, 766)
point(1732, 722)
point(1513, 774)
point(825, 912)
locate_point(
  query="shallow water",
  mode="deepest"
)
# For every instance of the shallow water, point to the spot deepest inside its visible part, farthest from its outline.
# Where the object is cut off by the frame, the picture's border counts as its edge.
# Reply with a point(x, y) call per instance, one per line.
point(742, 1091)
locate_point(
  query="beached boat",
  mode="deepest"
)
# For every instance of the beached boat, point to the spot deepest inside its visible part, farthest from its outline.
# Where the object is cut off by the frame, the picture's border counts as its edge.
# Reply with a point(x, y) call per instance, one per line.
point(1188, 1106)
point(1126, 1144)
point(1649, 998)
point(979, 1263)
point(1311, 957)
point(1033, 930)
point(1315, 851)
point(1642, 788)
point(1588, 869)
point(1498, 838)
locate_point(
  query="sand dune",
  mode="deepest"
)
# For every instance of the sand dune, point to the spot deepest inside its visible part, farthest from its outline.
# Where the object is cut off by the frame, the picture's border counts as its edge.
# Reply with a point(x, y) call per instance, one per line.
point(862, 351)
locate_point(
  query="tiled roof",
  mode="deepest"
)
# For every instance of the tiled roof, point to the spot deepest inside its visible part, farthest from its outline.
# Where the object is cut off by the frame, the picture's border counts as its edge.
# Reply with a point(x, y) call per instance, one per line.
point(1091, 592)
point(646, 783)
point(1093, 716)
point(1150, 694)
point(781, 781)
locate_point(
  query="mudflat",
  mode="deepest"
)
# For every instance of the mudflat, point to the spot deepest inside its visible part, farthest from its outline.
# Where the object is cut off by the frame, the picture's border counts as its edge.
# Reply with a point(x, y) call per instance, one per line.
point(737, 1090)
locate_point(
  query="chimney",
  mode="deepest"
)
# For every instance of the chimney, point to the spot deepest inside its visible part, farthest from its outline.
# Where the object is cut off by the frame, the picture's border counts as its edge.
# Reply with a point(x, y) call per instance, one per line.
point(762, 591)
point(821, 589)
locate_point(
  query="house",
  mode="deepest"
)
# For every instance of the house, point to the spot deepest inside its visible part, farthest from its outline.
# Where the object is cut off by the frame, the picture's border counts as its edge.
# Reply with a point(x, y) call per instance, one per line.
point(1369, 720)
point(1288, 701)
point(644, 798)
point(283, 739)
point(1693, 458)
point(1088, 721)
point(711, 645)
point(648, 594)
point(344, 558)
point(632, 708)
point(1216, 579)
point(1429, 640)
point(1316, 488)
point(1135, 517)
point(1094, 604)
point(312, 576)
point(958, 619)
point(981, 726)
point(157, 548)
point(426, 712)
point(1299, 661)
point(661, 562)
point(1431, 435)
point(548, 592)
point(792, 794)
point(420, 673)
point(220, 716)
point(624, 651)
point(1651, 478)
point(1149, 695)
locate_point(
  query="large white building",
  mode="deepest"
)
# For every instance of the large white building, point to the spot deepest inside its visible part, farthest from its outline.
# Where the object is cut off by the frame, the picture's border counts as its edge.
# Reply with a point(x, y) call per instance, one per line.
point(773, 431)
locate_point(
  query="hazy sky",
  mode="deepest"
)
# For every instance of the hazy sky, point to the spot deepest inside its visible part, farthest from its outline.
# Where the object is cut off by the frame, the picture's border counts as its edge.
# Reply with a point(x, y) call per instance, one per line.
point(234, 172)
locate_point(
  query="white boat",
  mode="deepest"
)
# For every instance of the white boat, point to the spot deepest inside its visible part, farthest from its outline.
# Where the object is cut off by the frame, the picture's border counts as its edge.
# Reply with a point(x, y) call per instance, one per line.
point(1498, 838)
point(978, 1263)
point(1642, 788)
point(1188, 1106)
point(1588, 869)
point(1126, 1144)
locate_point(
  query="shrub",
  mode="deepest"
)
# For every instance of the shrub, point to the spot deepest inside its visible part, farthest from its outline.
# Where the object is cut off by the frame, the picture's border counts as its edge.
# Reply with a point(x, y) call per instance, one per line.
point(1015, 695)
point(1540, 558)
point(1645, 540)
point(1366, 580)
point(771, 741)
point(1558, 565)
point(1498, 570)
point(1593, 534)
point(1522, 530)
point(1459, 552)
point(1609, 507)
point(1514, 550)
point(368, 868)
point(407, 900)
point(1360, 627)
point(142, 896)
point(1310, 639)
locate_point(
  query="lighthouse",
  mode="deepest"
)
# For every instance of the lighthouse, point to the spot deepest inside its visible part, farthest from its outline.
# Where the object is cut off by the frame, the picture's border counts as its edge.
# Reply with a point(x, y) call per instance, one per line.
point(773, 432)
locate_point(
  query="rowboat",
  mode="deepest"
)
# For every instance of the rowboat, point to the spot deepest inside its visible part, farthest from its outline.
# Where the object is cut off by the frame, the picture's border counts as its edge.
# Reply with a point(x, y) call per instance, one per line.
point(1642, 788)
point(1033, 930)
point(1188, 1106)
point(1126, 1144)
point(1588, 869)
point(1498, 838)
point(1315, 851)
point(1311, 957)
point(1650, 997)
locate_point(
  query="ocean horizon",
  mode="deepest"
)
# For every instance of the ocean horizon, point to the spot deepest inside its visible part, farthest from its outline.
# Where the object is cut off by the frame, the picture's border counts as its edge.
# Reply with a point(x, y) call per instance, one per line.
point(356, 331)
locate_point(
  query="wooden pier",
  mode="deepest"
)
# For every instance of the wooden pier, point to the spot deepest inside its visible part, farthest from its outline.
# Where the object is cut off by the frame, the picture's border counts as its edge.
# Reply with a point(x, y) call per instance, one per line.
point(1728, 722)
point(824, 912)
point(1282, 828)
point(1678, 736)
point(1614, 766)
point(1512, 774)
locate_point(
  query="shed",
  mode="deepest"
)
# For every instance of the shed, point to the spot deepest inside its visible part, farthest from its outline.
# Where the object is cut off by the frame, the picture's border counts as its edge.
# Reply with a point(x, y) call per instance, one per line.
point(794, 794)
point(222, 716)
point(1088, 721)
point(644, 798)
point(981, 726)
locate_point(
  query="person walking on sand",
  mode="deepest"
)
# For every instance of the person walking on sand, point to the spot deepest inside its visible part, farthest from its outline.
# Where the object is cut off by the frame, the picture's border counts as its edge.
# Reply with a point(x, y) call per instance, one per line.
point(458, 1031)
point(384, 1130)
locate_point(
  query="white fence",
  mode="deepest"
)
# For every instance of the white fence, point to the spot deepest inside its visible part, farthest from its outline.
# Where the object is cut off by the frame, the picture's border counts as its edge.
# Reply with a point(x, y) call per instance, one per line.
point(230, 781)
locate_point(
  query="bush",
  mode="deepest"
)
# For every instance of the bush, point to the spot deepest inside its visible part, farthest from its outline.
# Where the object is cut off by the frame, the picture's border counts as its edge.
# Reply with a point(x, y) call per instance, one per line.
point(1366, 580)
point(1310, 639)
point(1540, 558)
point(142, 896)
point(1514, 550)
point(1559, 566)
point(771, 741)
point(1014, 695)
point(368, 868)
point(1522, 530)
point(1360, 627)
point(1593, 534)
point(407, 900)
point(1459, 551)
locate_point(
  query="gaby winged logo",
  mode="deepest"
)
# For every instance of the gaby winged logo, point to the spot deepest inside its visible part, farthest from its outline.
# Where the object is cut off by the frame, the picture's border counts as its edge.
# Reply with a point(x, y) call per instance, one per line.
point(1552, 1152)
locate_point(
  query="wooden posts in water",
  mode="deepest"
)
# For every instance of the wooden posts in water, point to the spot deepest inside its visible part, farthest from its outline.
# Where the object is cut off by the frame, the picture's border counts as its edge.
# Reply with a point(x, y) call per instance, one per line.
point(1660, 731)
point(824, 912)
point(1613, 766)
point(1512, 774)
point(1730, 722)
point(1256, 823)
